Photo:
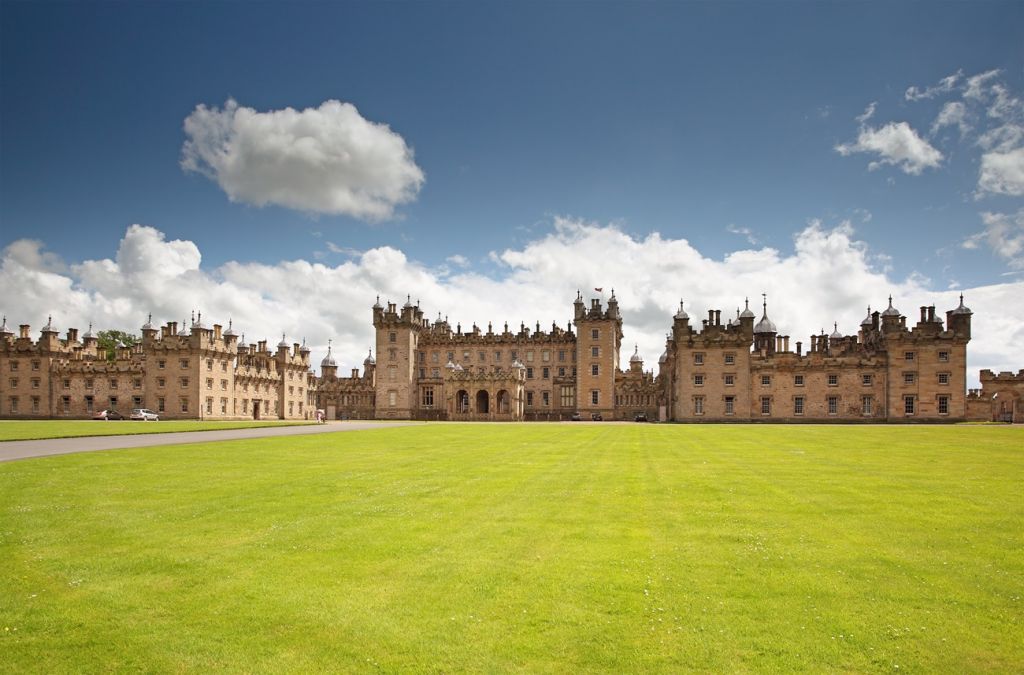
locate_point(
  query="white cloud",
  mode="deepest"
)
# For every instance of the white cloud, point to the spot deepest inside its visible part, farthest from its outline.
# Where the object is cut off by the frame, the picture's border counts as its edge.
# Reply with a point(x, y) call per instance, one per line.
point(321, 160)
point(868, 113)
point(827, 276)
point(744, 232)
point(944, 86)
point(897, 144)
point(458, 260)
point(953, 114)
point(975, 88)
point(1004, 235)
point(1002, 173)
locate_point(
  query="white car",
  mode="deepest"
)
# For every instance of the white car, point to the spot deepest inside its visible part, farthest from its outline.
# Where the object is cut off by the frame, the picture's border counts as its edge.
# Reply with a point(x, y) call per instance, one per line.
point(144, 415)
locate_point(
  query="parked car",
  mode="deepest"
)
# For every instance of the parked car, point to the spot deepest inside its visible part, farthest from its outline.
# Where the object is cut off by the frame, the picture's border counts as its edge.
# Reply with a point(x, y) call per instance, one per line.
point(144, 415)
point(640, 417)
point(596, 417)
point(107, 415)
point(576, 417)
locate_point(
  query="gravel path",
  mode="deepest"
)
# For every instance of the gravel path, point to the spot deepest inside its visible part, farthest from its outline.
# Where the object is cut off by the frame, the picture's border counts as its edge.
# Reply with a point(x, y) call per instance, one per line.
point(10, 450)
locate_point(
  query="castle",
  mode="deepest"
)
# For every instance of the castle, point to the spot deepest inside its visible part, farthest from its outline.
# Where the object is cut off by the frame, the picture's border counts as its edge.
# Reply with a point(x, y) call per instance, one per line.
point(714, 371)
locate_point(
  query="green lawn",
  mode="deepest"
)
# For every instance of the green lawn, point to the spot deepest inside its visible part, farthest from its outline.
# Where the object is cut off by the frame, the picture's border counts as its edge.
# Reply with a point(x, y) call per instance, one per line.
point(529, 548)
point(24, 430)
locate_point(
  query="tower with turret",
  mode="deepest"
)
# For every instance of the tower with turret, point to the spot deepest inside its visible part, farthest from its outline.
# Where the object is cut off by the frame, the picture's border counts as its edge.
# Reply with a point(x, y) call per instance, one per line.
point(598, 338)
point(397, 339)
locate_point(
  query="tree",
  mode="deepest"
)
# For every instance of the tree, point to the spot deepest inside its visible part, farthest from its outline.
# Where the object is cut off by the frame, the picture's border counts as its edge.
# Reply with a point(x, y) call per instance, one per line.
point(108, 340)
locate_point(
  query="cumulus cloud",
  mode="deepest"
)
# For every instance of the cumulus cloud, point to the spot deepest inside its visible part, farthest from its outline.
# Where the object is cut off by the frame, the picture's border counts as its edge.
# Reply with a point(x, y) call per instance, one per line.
point(953, 114)
point(1002, 173)
point(327, 160)
point(827, 275)
point(896, 144)
point(1004, 236)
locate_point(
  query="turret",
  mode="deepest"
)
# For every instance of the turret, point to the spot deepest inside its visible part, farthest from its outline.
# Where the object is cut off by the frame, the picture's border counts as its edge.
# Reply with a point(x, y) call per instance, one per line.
point(959, 320)
point(890, 318)
point(636, 362)
point(149, 331)
point(329, 367)
point(765, 331)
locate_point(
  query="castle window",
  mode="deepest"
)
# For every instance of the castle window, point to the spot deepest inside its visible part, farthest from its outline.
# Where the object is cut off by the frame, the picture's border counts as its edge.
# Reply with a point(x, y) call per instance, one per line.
point(730, 358)
point(497, 357)
point(908, 405)
point(209, 405)
point(833, 380)
point(89, 405)
point(88, 383)
point(798, 380)
point(160, 382)
point(529, 356)
point(545, 398)
point(595, 369)
point(161, 364)
point(65, 402)
point(423, 373)
point(866, 379)
point(545, 356)
point(35, 365)
point(13, 382)
point(183, 363)
point(113, 383)
point(698, 405)
point(908, 356)
point(35, 382)
point(136, 401)
point(209, 383)
point(435, 357)
point(482, 356)
point(137, 383)
point(595, 396)
point(393, 354)
point(529, 398)
point(224, 385)
point(568, 397)
point(392, 337)
point(766, 380)
point(943, 405)
point(529, 372)
point(908, 378)
point(595, 352)
point(428, 397)
point(451, 356)
point(392, 373)
point(798, 405)
point(545, 373)
point(833, 405)
point(944, 356)
point(943, 378)
point(291, 405)
point(766, 405)
point(595, 334)
point(561, 356)
point(730, 380)
point(224, 406)
point(160, 403)
point(730, 405)
point(291, 391)
point(223, 366)
point(392, 398)
point(561, 371)
point(113, 402)
point(35, 404)
point(866, 403)
point(66, 383)
point(435, 372)
point(209, 364)
point(184, 383)
point(698, 380)
point(14, 366)
point(698, 359)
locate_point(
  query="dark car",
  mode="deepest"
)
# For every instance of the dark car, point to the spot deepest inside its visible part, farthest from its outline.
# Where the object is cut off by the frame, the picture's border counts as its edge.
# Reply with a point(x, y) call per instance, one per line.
point(596, 417)
point(640, 417)
point(107, 415)
point(576, 417)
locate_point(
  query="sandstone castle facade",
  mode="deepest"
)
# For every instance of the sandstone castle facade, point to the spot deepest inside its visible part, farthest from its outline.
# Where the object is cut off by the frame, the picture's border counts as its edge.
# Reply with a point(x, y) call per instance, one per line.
point(712, 371)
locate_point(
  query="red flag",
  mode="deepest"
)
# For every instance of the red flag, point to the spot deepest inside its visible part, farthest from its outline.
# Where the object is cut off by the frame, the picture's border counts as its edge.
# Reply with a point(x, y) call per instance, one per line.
point(599, 290)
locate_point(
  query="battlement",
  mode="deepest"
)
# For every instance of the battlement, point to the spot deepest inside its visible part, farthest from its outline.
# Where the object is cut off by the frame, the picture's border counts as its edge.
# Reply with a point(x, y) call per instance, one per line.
point(1004, 377)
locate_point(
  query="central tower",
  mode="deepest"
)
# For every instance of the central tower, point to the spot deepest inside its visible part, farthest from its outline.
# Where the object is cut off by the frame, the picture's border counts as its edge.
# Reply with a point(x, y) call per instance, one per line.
point(398, 335)
point(598, 337)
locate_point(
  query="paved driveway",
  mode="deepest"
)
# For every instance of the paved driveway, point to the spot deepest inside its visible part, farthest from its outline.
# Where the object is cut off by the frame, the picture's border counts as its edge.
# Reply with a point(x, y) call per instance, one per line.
point(61, 446)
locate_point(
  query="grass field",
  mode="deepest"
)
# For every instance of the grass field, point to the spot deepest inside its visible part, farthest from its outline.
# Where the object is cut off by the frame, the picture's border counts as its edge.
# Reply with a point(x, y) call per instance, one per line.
point(25, 430)
point(529, 548)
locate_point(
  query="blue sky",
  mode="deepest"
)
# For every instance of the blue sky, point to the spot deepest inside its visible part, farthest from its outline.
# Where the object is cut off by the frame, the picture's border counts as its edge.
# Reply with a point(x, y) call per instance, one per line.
point(717, 123)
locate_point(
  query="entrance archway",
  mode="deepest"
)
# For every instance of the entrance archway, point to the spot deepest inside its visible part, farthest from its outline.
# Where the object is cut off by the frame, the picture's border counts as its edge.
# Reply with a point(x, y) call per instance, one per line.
point(503, 402)
point(255, 410)
point(483, 401)
point(462, 401)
